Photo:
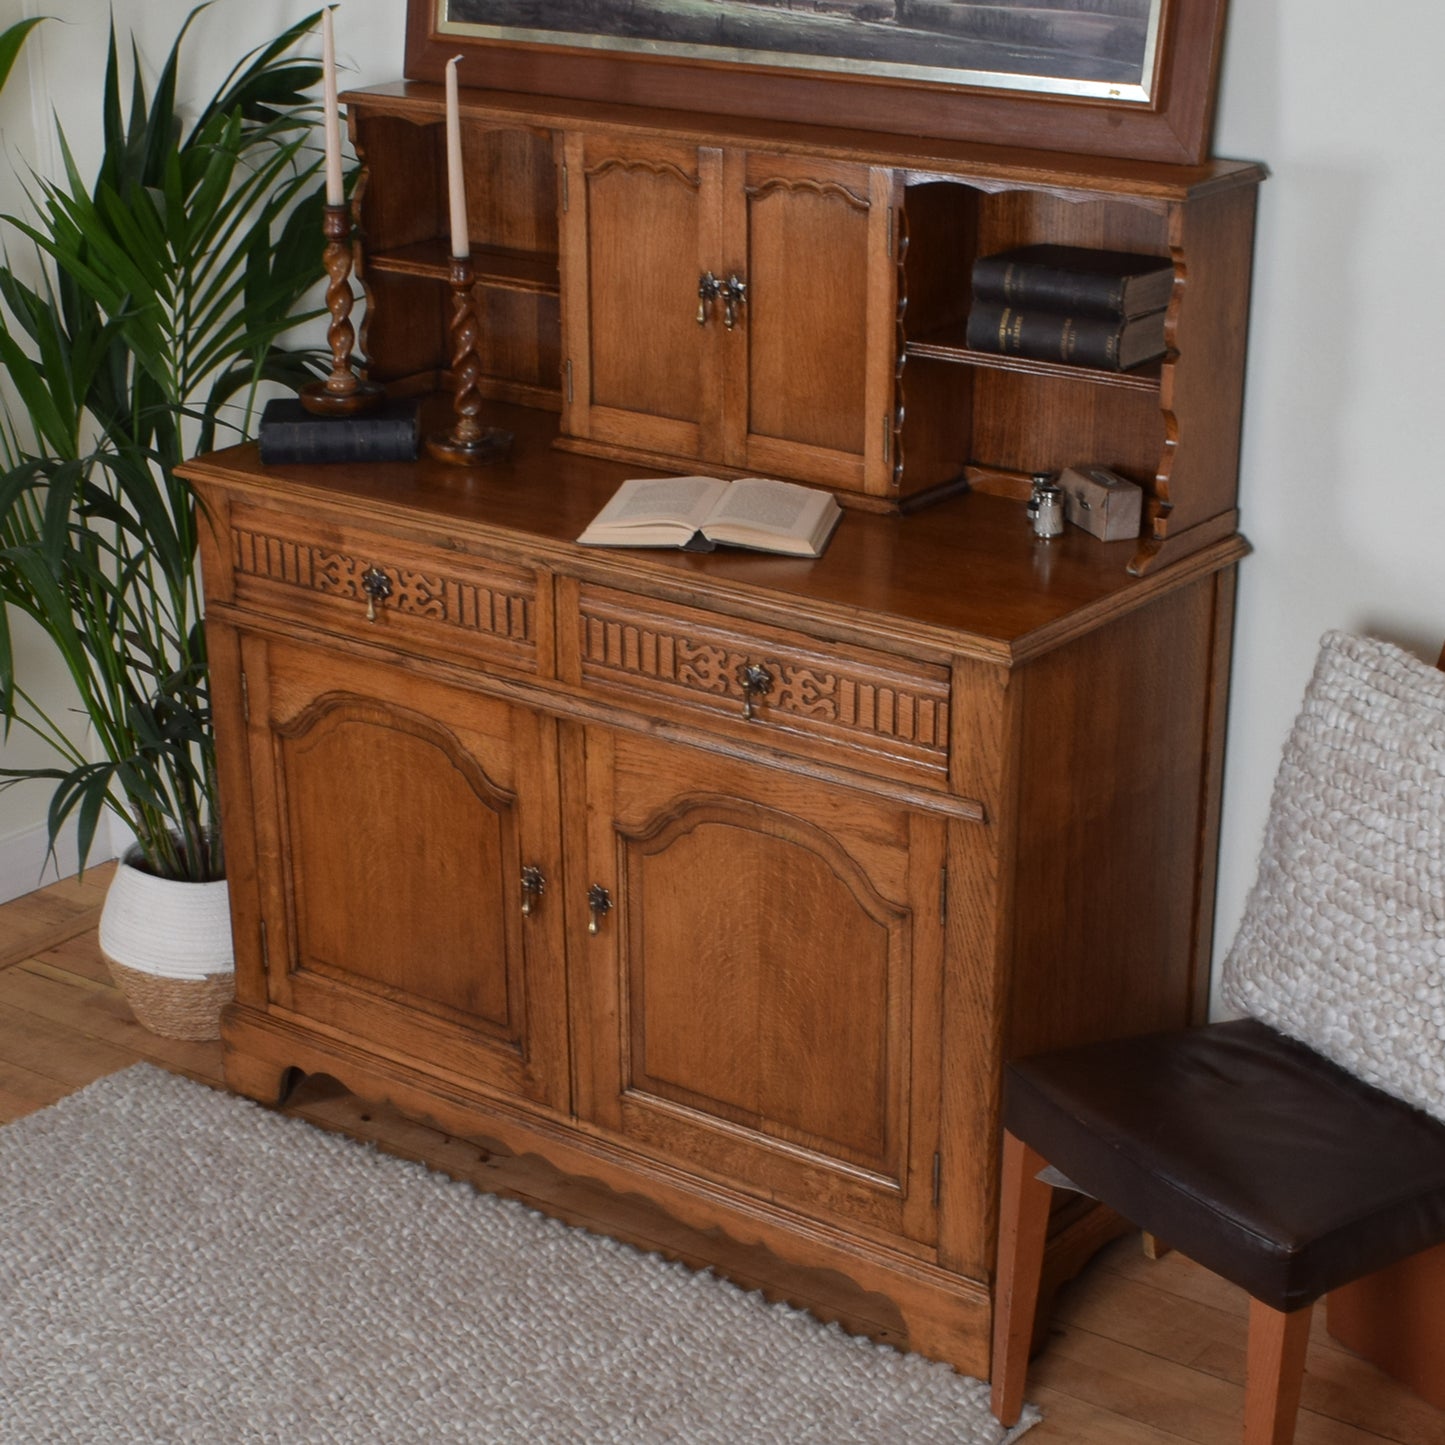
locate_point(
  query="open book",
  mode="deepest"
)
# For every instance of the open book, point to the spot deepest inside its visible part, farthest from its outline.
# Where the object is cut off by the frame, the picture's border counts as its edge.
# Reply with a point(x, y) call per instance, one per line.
point(698, 513)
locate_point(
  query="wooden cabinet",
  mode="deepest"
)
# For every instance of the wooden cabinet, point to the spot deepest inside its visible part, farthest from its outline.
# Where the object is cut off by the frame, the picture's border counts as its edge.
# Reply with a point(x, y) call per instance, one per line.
point(730, 307)
point(708, 893)
point(398, 820)
point(785, 935)
point(770, 981)
point(846, 365)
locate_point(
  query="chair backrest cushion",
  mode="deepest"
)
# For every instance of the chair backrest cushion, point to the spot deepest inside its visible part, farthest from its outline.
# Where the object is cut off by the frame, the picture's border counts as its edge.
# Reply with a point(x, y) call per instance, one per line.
point(1343, 940)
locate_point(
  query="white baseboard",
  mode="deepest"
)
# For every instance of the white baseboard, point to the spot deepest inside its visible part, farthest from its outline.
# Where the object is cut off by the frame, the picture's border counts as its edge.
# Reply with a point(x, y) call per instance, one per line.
point(24, 866)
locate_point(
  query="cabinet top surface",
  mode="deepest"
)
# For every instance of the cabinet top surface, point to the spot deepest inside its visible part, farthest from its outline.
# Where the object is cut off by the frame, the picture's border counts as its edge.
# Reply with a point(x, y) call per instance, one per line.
point(1145, 180)
point(965, 575)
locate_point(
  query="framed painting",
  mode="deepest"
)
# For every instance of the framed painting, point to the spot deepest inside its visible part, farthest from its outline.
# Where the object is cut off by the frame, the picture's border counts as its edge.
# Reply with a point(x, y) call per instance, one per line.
point(1129, 78)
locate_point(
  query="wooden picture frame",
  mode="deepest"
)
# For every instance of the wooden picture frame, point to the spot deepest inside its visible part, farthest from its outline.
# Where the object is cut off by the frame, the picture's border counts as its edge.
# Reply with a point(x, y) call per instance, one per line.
point(1168, 118)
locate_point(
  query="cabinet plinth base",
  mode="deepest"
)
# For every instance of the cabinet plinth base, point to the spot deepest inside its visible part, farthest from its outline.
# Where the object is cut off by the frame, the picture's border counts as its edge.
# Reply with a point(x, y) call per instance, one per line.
point(549, 1165)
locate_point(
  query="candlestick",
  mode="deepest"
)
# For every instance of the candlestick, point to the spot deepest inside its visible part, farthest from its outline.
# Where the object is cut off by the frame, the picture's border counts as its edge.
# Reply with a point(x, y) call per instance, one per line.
point(343, 393)
point(335, 194)
point(456, 182)
point(469, 442)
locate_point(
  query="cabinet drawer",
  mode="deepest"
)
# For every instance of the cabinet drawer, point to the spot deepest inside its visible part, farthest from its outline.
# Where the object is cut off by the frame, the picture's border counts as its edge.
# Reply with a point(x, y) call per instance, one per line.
point(851, 705)
point(399, 594)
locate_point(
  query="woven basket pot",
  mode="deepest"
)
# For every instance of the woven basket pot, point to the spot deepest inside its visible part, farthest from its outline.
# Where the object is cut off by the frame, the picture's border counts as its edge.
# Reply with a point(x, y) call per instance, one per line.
point(168, 947)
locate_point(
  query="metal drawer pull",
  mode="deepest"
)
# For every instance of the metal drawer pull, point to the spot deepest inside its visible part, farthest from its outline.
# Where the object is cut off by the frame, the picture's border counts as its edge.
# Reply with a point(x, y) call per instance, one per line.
point(756, 682)
point(708, 287)
point(599, 904)
point(734, 293)
point(533, 886)
point(377, 586)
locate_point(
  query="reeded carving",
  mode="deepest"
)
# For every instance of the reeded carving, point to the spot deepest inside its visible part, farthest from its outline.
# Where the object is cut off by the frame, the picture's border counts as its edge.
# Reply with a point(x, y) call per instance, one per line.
point(844, 696)
point(458, 602)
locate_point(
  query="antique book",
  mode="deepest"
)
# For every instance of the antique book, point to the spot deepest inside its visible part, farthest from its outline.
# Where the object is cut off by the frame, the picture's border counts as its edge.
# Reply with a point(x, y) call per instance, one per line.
point(1075, 281)
point(700, 513)
point(290, 433)
point(1076, 340)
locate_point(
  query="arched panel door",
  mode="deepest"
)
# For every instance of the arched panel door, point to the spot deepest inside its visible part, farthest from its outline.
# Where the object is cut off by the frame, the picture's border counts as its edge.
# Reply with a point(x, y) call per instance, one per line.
point(401, 821)
point(767, 981)
point(641, 228)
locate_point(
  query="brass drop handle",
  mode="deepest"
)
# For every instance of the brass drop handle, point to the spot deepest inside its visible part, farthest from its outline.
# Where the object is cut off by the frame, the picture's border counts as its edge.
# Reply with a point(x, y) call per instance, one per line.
point(734, 293)
point(708, 287)
point(377, 586)
point(756, 682)
point(599, 904)
point(533, 886)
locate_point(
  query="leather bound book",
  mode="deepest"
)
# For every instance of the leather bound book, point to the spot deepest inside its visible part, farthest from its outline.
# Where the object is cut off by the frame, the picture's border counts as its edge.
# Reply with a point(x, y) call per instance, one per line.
point(387, 433)
point(1074, 340)
point(1075, 281)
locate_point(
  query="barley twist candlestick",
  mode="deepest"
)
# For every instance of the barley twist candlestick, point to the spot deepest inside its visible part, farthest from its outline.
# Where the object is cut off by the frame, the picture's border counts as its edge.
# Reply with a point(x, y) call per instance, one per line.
point(469, 442)
point(343, 393)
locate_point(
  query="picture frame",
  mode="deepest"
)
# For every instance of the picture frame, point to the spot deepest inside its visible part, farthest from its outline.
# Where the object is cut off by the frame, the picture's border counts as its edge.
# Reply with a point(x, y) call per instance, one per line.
point(1161, 110)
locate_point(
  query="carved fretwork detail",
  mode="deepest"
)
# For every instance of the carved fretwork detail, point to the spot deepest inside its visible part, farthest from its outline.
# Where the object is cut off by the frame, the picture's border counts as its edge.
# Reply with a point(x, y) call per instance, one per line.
point(457, 602)
point(900, 347)
point(848, 698)
point(655, 168)
point(827, 189)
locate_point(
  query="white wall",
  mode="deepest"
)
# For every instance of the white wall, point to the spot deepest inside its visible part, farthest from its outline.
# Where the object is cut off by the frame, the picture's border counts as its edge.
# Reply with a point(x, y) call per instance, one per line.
point(1339, 488)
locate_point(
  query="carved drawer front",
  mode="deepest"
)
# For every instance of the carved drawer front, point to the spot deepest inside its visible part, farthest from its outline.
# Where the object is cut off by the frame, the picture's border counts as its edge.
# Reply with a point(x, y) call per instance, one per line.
point(398, 594)
point(776, 687)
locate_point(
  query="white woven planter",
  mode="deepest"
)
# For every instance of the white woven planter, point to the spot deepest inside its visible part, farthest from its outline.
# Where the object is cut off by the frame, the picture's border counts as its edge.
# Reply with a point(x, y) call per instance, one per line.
point(168, 945)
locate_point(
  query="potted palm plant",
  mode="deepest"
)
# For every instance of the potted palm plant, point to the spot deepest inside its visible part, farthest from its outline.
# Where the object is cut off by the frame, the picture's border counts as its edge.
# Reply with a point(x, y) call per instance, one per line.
point(150, 307)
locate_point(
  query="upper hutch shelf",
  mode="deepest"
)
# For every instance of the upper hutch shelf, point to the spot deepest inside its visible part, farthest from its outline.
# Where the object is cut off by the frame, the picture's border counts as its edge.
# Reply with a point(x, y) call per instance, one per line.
point(830, 345)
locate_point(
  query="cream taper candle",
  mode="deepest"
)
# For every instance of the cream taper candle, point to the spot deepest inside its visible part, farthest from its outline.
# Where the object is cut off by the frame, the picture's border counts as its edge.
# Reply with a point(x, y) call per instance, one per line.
point(456, 185)
point(335, 192)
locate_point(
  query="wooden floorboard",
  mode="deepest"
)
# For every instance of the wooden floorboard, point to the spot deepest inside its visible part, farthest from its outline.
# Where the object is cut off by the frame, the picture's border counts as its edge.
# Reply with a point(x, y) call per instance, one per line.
point(1141, 1352)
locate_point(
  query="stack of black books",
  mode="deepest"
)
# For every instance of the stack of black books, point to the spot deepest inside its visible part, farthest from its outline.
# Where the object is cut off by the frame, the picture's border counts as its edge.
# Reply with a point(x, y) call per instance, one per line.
point(1085, 307)
point(385, 433)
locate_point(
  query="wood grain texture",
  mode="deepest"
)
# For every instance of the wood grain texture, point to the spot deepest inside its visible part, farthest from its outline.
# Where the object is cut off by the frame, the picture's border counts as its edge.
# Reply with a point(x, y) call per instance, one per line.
point(1274, 1373)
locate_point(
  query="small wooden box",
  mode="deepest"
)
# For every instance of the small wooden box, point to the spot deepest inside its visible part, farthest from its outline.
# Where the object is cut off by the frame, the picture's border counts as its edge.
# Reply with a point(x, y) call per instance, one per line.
point(1102, 502)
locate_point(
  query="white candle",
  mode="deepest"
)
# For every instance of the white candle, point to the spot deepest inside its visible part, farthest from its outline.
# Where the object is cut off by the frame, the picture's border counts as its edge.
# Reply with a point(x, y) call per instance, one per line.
point(456, 186)
point(335, 193)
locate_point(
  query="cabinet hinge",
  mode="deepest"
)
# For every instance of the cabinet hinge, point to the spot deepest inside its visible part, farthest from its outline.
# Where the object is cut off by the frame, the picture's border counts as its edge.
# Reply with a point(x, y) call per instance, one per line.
point(245, 698)
point(943, 894)
point(890, 233)
point(937, 1177)
point(265, 948)
point(566, 197)
point(567, 372)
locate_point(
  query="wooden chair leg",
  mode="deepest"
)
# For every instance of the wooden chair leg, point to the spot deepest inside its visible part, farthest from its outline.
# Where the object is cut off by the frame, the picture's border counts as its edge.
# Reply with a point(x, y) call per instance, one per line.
point(1022, 1226)
point(1274, 1373)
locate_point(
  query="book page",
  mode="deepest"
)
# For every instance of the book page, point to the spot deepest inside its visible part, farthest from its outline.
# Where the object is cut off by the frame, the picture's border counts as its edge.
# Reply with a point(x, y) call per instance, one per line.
point(764, 505)
point(776, 516)
point(649, 500)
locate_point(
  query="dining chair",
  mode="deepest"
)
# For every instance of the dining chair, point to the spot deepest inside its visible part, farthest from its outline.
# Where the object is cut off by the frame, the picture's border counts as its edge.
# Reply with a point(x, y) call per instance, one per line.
point(1301, 1146)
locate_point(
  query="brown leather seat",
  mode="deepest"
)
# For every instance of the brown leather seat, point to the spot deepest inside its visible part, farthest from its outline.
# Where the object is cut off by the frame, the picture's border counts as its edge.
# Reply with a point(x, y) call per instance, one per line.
point(1256, 1157)
point(1330, 1179)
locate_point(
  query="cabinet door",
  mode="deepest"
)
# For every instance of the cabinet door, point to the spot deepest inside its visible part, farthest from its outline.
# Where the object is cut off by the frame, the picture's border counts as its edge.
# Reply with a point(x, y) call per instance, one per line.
point(640, 227)
point(820, 342)
point(395, 818)
point(761, 1003)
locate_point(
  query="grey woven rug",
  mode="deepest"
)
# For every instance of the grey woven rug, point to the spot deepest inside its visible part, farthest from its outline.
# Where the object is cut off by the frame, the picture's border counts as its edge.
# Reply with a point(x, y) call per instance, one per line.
point(179, 1265)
